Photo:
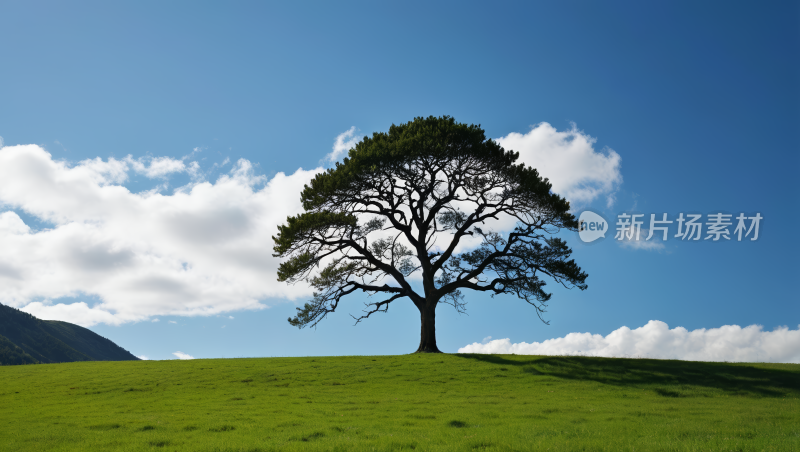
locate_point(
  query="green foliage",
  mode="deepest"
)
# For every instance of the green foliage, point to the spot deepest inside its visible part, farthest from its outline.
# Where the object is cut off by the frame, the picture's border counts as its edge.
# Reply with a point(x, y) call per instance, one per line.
point(10, 354)
point(388, 209)
point(304, 315)
point(51, 341)
point(305, 225)
point(412, 402)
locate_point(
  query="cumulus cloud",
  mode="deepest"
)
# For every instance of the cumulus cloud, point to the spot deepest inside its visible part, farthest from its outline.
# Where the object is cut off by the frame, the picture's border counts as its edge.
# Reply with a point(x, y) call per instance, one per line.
point(143, 358)
point(568, 158)
point(656, 340)
point(204, 250)
point(158, 167)
point(182, 355)
point(343, 143)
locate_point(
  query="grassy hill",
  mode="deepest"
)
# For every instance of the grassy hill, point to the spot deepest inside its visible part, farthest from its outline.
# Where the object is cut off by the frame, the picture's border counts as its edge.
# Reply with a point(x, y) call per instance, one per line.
point(413, 402)
point(24, 339)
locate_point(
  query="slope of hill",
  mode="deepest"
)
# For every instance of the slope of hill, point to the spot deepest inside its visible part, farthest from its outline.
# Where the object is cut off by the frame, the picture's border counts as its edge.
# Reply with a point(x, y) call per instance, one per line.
point(424, 402)
point(11, 354)
point(24, 339)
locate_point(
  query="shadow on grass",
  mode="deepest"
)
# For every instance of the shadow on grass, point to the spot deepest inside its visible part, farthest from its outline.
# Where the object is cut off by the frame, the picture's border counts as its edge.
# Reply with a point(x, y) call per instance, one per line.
point(655, 373)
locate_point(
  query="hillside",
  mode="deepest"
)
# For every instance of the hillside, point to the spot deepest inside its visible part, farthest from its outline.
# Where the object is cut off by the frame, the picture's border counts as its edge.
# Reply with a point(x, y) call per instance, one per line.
point(24, 339)
point(401, 403)
point(11, 354)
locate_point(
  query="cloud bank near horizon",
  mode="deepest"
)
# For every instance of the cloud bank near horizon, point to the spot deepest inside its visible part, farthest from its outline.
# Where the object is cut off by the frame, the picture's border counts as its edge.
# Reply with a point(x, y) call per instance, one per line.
point(205, 249)
point(656, 340)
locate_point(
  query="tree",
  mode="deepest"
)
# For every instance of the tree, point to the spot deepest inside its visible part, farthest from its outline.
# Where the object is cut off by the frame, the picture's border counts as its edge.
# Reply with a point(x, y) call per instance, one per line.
point(406, 215)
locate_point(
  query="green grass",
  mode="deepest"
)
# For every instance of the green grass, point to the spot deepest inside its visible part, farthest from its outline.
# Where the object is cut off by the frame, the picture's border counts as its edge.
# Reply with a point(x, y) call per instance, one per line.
point(413, 402)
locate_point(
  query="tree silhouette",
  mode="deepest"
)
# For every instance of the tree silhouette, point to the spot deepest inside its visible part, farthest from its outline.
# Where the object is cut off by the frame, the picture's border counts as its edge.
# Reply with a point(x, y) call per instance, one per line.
point(407, 215)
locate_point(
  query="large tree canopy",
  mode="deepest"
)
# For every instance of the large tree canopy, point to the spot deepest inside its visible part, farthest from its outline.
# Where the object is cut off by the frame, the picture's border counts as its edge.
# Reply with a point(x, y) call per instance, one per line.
point(423, 212)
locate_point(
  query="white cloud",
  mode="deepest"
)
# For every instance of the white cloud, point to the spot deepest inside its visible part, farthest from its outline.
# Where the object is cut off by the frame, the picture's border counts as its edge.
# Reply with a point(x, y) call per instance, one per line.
point(11, 223)
point(1, 142)
point(182, 355)
point(224, 162)
point(640, 242)
point(115, 171)
point(610, 200)
point(172, 321)
point(159, 167)
point(204, 250)
point(196, 150)
point(656, 340)
point(98, 171)
point(343, 143)
point(143, 358)
point(569, 160)
point(154, 320)
point(79, 313)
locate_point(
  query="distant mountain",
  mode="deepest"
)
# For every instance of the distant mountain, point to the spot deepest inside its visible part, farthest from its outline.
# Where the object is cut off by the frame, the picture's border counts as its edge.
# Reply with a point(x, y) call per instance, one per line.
point(24, 339)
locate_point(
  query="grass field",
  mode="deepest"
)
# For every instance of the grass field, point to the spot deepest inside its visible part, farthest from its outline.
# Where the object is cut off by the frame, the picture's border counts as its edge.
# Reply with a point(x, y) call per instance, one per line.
point(412, 402)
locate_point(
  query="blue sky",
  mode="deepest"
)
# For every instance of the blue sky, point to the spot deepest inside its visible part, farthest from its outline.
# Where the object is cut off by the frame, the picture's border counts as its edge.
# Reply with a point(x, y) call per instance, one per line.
point(700, 101)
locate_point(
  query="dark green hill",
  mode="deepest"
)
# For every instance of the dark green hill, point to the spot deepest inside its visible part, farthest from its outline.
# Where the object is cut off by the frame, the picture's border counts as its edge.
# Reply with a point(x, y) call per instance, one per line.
point(11, 354)
point(24, 339)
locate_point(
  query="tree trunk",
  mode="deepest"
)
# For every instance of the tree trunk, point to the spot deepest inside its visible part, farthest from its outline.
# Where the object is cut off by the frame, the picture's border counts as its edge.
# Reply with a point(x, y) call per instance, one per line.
point(427, 342)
